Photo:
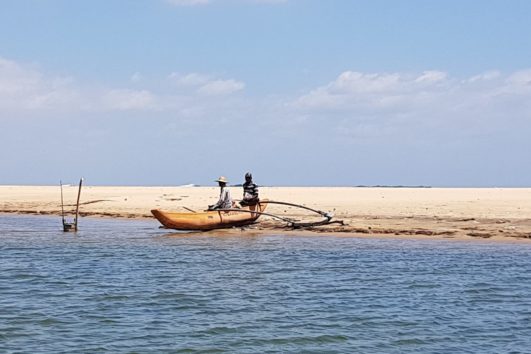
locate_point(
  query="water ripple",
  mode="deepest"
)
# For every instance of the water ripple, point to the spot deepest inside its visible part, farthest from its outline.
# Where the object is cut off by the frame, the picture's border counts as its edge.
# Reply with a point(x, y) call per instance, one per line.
point(126, 287)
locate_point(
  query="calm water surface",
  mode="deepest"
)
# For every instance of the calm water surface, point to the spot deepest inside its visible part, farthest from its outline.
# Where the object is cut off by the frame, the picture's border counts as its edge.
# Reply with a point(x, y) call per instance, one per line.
point(126, 286)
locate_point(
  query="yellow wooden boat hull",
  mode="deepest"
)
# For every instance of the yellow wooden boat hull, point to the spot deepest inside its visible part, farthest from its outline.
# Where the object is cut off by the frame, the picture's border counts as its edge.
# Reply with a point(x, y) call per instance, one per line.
point(209, 220)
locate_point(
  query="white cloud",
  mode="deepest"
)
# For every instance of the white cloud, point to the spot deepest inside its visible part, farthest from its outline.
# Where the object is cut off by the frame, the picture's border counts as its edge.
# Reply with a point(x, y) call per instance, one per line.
point(206, 2)
point(206, 84)
point(353, 103)
point(126, 99)
point(486, 76)
point(352, 82)
point(354, 116)
point(520, 78)
point(190, 79)
point(268, 1)
point(221, 87)
point(431, 76)
point(429, 105)
point(28, 91)
point(23, 87)
point(187, 2)
point(373, 89)
point(16, 79)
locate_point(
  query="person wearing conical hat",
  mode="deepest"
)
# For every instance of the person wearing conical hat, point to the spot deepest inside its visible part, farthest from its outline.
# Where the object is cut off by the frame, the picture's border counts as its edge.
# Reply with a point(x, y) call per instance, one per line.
point(225, 200)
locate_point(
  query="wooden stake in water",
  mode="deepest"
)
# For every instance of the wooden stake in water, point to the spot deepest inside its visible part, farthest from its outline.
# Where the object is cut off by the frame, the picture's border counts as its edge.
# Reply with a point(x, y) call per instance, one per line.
point(77, 204)
point(67, 227)
point(62, 204)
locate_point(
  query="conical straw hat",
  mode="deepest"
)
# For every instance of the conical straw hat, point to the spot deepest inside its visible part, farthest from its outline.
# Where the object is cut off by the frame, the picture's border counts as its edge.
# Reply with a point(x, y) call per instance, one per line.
point(222, 179)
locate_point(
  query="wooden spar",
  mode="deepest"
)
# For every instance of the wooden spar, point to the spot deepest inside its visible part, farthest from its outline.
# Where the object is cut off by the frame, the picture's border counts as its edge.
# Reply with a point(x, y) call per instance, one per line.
point(292, 223)
point(62, 203)
point(289, 221)
point(301, 225)
point(77, 204)
point(193, 211)
point(325, 214)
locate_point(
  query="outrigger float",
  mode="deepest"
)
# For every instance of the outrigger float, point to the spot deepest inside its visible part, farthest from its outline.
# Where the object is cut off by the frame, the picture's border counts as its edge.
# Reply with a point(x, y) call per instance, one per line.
point(233, 217)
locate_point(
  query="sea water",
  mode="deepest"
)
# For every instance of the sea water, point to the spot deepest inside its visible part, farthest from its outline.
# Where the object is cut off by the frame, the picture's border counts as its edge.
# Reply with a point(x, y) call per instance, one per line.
point(129, 287)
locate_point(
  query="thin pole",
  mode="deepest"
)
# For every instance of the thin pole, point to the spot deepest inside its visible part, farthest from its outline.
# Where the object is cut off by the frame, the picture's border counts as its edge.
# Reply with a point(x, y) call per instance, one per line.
point(77, 204)
point(62, 207)
point(323, 213)
point(257, 212)
point(291, 223)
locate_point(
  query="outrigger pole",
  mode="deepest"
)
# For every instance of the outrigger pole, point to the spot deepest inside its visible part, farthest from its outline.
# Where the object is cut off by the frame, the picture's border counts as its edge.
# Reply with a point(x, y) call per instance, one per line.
point(289, 221)
point(323, 213)
point(293, 223)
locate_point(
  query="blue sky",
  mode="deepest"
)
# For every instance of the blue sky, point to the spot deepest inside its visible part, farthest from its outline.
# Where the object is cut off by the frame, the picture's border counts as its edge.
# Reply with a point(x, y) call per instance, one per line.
point(300, 92)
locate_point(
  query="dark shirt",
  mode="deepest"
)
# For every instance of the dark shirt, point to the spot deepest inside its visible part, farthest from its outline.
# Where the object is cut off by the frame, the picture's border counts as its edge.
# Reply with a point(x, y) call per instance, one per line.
point(250, 190)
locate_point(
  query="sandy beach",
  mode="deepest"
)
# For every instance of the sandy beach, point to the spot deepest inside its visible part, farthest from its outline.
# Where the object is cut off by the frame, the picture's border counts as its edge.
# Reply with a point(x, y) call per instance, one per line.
point(412, 212)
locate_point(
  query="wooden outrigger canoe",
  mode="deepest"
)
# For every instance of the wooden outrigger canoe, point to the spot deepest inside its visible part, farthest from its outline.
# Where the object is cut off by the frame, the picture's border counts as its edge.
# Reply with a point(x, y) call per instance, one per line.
point(209, 220)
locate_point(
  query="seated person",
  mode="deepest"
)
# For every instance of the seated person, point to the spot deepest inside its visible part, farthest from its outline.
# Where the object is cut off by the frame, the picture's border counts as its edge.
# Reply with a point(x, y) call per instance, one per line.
point(225, 200)
point(250, 191)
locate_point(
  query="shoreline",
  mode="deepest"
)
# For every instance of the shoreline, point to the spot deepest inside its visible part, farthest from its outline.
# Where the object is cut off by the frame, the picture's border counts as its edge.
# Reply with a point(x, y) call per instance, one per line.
point(256, 230)
point(445, 213)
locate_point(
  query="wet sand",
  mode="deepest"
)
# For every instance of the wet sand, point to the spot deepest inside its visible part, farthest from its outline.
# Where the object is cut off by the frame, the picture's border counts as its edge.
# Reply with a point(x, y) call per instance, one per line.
point(458, 213)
